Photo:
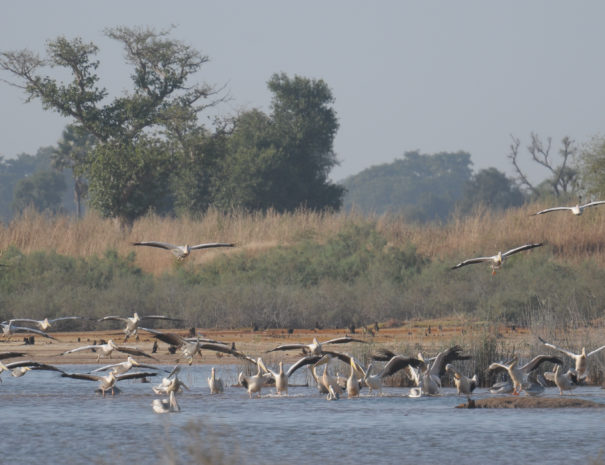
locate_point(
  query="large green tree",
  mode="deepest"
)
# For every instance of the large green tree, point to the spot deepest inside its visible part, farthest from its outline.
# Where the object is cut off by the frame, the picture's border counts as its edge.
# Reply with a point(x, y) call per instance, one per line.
point(42, 191)
point(492, 189)
point(592, 167)
point(161, 96)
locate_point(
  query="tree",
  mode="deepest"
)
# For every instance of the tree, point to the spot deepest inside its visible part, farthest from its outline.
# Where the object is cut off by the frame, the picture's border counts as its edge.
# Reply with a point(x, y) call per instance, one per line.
point(564, 178)
point(161, 96)
point(592, 167)
point(73, 152)
point(491, 188)
point(42, 191)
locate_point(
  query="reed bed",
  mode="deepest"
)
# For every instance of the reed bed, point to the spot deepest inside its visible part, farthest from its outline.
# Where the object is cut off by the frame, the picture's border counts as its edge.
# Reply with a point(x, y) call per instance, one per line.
point(485, 232)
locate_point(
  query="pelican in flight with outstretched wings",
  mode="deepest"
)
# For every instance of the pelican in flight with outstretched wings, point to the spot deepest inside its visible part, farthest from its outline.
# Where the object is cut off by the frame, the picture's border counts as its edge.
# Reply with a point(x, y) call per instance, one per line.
point(581, 359)
point(576, 209)
point(105, 350)
point(316, 347)
point(45, 324)
point(497, 260)
point(108, 382)
point(8, 329)
point(132, 322)
point(182, 251)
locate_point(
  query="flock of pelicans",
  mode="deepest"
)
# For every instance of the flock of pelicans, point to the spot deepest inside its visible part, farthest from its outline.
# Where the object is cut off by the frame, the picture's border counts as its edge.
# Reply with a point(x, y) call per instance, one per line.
point(426, 373)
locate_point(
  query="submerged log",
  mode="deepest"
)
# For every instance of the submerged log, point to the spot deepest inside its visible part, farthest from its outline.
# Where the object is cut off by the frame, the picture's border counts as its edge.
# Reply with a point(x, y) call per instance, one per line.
point(531, 402)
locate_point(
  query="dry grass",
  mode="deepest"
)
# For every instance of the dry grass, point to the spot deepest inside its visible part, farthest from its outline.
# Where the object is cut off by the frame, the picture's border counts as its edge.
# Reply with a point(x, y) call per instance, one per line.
point(571, 238)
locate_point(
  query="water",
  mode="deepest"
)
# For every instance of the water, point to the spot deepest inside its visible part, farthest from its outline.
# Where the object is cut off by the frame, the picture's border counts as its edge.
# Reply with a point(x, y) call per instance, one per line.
point(48, 419)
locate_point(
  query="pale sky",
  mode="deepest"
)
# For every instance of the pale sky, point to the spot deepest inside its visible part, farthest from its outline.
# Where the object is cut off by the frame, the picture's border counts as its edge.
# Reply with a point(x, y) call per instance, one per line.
point(424, 75)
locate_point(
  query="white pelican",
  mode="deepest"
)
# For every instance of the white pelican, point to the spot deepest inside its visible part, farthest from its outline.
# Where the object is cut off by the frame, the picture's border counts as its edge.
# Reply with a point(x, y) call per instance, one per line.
point(169, 405)
point(182, 251)
point(255, 383)
point(170, 383)
point(518, 374)
point(464, 384)
point(105, 350)
point(395, 363)
point(107, 382)
point(124, 367)
point(579, 359)
point(8, 329)
point(353, 384)
point(215, 384)
point(576, 209)
point(315, 348)
point(281, 379)
point(498, 259)
point(45, 324)
point(564, 381)
point(189, 347)
point(132, 322)
point(18, 369)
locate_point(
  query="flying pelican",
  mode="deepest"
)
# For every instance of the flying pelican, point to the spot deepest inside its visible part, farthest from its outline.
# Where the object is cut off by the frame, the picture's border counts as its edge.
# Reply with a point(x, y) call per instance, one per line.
point(576, 209)
point(464, 384)
point(518, 373)
point(498, 259)
point(166, 405)
point(132, 323)
point(394, 364)
point(9, 329)
point(580, 359)
point(45, 324)
point(189, 347)
point(124, 367)
point(215, 384)
point(5, 355)
point(18, 369)
point(255, 382)
point(105, 350)
point(107, 382)
point(316, 347)
point(182, 251)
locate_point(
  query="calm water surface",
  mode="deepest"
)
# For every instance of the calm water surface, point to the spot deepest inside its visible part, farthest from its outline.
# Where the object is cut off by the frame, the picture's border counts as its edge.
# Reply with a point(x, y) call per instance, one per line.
point(49, 419)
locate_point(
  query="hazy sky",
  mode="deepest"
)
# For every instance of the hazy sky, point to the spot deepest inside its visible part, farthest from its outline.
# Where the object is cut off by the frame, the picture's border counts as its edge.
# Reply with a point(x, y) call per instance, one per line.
point(425, 75)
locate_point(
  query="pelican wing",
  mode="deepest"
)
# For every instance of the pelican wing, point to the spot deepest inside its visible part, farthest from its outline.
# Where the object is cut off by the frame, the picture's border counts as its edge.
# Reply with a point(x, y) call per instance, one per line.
point(593, 204)
point(168, 338)
point(6, 355)
point(289, 347)
point(90, 347)
point(159, 317)
point(497, 367)
point(521, 248)
point(539, 360)
point(595, 351)
point(447, 356)
point(135, 375)
point(19, 329)
point(383, 355)
point(84, 376)
point(211, 245)
point(471, 261)
point(225, 349)
point(134, 351)
point(554, 209)
point(161, 245)
point(113, 318)
point(63, 318)
point(24, 320)
point(343, 340)
point(552, 346)
point(308, 360)
point(340, 356)
point(399, 362)
point(34, 366)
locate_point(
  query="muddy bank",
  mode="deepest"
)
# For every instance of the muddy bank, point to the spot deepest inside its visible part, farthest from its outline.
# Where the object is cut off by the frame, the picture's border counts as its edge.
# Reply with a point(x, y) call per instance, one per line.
point(531, 402)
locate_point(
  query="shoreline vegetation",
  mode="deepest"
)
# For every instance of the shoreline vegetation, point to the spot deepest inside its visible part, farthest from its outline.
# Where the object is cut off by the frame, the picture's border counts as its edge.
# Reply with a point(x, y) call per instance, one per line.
point(307, 271)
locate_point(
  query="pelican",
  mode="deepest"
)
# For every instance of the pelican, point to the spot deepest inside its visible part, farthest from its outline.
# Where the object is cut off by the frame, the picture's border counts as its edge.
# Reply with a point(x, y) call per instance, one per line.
point(281, 379)
point(464, 384)
point(18, 369)
point(6, 355)
point(132, 322)
point(394, 364)
point(105, 350)
point(189, 347)
point(45, 324)
point(182, 251)
point(255, 383)
point(316, 347)
point(581, 359)
point(108, 382)
point(517, 373)
point(328, 382)
point(498, 259)
point(124, 367)
point(170, 383)
point(576, 209)
point(9, 329)
point(564, 381)
point(215, 384)
point(169, 405)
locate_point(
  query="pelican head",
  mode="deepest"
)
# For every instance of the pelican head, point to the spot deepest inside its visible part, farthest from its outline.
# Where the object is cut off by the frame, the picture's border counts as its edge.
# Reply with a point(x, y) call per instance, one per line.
point(112, 344)
point(45, 324)
point(133, 361)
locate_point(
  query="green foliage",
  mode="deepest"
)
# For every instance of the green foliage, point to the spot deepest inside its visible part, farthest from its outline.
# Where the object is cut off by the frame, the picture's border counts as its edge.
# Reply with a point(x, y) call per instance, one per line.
point(42, 191)
point(490, 188)
point(422, 187)
point(592, 167)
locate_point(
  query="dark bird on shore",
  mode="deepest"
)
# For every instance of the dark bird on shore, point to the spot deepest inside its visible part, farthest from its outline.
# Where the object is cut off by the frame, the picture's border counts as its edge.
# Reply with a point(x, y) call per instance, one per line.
point(497, 260)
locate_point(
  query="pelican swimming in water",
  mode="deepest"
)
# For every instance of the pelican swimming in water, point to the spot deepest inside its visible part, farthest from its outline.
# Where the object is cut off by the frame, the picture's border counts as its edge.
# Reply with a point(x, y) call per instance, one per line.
point(170, 383)
point(255, 383)
point(45, 324)
point(464, 384)
point(576, 209)
point(581, 359)
point(169, 405)
point(281, 379)
point(8, 329)
point(105, 350)
point(497, 260)
point(125, 367)
point(109, 381)
point(316, 347)
point(215, 384)
point(182, 251)
point(519, 373)
point(132, 322)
